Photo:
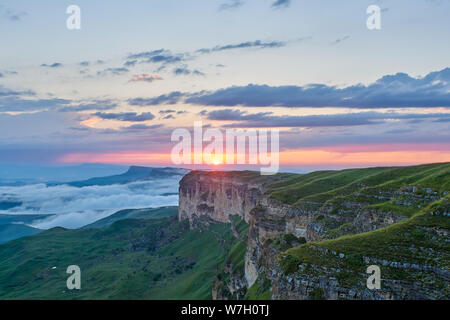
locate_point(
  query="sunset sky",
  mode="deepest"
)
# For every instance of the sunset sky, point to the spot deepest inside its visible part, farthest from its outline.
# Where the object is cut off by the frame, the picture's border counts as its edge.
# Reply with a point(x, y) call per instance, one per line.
point(114, 91)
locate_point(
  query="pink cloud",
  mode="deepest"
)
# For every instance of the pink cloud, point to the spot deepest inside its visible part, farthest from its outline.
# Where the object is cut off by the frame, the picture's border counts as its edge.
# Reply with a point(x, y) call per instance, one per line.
point(145, 78)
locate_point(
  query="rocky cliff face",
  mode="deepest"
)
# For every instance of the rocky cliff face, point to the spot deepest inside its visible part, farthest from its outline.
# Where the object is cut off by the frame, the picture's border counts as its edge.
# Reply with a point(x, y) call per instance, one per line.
point(220, 195)
point(216, 195)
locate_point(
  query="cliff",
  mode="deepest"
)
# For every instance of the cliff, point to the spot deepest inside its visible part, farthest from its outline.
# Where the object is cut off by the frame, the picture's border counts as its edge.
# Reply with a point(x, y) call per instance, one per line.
point(312, 236)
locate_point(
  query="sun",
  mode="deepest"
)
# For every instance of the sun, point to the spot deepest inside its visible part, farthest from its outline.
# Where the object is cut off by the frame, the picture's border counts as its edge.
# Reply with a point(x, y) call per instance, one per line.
point(216, 162)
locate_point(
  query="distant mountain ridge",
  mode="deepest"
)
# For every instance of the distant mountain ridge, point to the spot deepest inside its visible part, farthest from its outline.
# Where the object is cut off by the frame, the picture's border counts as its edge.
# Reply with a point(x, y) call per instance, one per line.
point(18, 175)
point(14, 226)
point(14, 231)
point(134, 173)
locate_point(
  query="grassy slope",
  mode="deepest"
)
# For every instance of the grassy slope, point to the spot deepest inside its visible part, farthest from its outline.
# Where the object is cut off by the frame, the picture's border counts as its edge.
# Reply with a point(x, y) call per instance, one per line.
point(150, 213)
point(420, 239)
point(156, 259)
point(131, 259)
point(14, 226)
point(11, 231)
point(394, 242)
point(323, 185)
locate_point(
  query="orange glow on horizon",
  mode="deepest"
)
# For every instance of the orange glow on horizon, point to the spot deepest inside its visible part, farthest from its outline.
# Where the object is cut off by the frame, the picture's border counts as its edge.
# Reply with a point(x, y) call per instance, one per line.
point(344, 156)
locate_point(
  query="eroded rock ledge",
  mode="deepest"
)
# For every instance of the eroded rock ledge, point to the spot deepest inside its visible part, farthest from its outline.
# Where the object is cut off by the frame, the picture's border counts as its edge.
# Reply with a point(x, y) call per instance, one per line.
point(219, 195)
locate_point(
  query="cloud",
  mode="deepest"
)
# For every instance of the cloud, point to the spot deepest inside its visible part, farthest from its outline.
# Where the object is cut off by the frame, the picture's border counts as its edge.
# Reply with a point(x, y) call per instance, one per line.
point(166, 57)
point(146, 54)
point(18, 104)
point(130, 63)
point(145, 78)
point(337, 41)
point(171, 98)
point(84, 63)
point(95, 105)
point(26, 101)
point(161, 56)
point(113, 71)
point(444, 119)
point(399, 131)
point(435, 2)
point(233, 115)
point(391, 91)
point(183, 70)
point(75, 207)
point(126, 116)
point(231, 4)
point(166, 111)
point(5, 73)
point(143, 127)
point(257, 44)
point(281, 4)
point(53, 65)
point(242, 119)
point(5, 92)
point(11, 14)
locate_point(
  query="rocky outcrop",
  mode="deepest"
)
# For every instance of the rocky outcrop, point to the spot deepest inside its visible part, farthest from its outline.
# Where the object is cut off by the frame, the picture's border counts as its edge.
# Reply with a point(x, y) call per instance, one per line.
point(216, 195)
point(220, 195)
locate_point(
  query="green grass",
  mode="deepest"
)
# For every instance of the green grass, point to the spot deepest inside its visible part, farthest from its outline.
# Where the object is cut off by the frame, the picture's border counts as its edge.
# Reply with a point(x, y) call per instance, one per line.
point(131, 259)
point(324, 185)
point(148, 254)
point(150, 213)
point(388, 206)
point(260, 290)
point(416, 240)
